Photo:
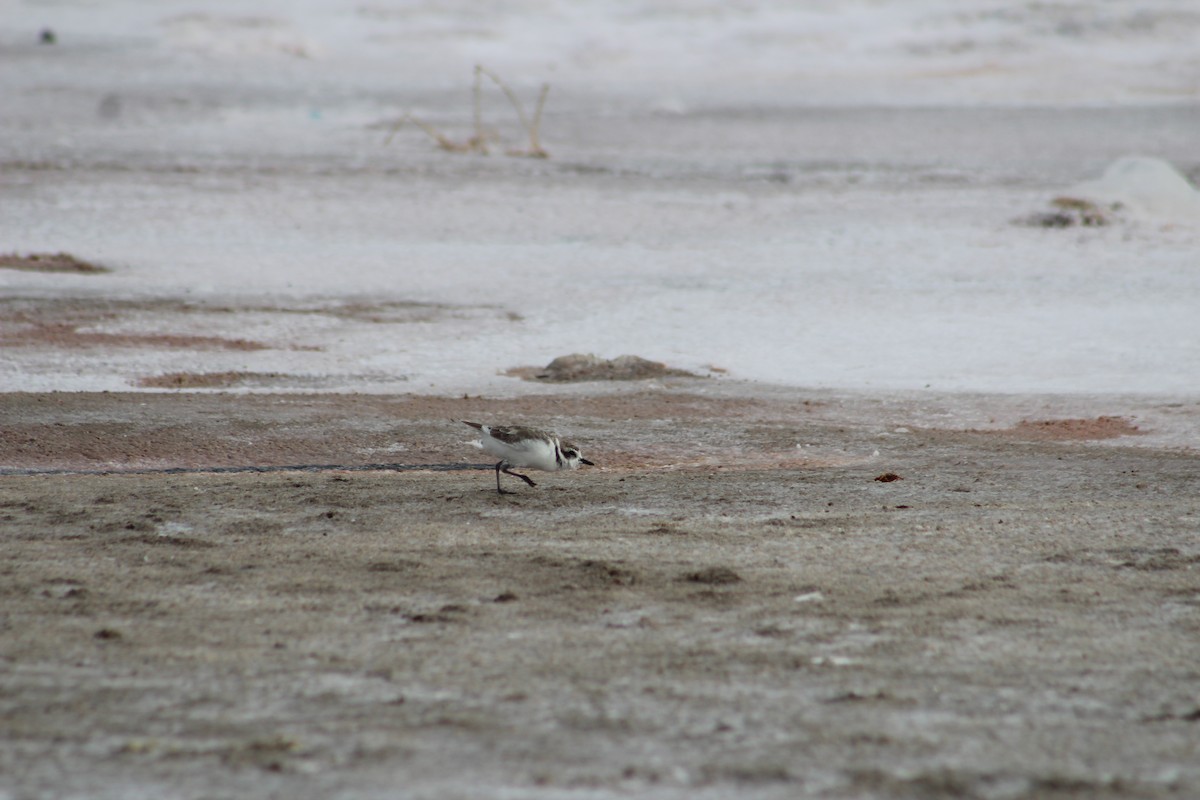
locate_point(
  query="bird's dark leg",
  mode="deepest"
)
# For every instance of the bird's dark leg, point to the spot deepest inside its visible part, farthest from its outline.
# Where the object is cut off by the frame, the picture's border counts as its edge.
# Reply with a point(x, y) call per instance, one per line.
point(503, 467)
point(525, 478)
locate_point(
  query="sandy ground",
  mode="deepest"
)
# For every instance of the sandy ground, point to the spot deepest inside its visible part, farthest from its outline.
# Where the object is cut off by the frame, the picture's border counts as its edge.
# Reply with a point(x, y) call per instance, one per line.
point(731, 602)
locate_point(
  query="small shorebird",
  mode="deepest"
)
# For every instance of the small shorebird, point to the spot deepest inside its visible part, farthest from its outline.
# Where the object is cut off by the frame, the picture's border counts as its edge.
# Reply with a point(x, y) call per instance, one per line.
point(518, 446)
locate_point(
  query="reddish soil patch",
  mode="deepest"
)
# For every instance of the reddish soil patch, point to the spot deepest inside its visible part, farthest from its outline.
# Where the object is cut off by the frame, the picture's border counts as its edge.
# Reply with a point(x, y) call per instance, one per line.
point(1069, 430)
point(66, 335)
point(642, 405)
point(205, 380)
point(69, 430)
point(49, 262)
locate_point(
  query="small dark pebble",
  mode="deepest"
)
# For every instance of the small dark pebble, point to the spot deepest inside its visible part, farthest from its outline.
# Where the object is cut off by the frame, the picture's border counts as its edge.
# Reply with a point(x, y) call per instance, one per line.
point(713, 575)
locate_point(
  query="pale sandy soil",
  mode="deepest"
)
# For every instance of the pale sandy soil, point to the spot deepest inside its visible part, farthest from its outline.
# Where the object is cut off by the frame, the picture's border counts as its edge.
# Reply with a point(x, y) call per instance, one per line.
point(730, 603)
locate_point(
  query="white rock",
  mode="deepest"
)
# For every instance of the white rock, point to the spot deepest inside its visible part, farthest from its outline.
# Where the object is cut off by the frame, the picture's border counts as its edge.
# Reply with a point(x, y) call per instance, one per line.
point(1143, 187)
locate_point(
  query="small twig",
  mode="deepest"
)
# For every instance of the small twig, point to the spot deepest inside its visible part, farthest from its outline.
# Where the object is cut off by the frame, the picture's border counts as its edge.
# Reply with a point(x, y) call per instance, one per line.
point(444, 141)
point(535, 146)
point(531, 129)
point(395, 129)
point(478, 97)
point(478, 143)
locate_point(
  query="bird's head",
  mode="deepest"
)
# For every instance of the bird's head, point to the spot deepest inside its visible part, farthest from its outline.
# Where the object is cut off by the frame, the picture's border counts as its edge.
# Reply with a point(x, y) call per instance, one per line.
point(572, 458)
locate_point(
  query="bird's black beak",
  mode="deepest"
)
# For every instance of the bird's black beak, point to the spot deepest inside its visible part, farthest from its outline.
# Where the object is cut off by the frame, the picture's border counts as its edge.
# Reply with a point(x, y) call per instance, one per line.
point(585, 461)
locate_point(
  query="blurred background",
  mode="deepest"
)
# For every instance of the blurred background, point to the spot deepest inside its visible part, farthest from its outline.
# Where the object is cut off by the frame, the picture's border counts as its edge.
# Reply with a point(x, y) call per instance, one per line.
point(862, 195)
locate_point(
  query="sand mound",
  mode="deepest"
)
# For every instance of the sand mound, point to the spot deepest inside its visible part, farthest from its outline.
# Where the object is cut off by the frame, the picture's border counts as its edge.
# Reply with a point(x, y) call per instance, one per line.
point(578, 367)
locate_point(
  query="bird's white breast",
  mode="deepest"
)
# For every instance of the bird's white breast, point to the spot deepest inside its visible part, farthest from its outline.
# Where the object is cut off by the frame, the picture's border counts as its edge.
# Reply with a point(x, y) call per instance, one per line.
point(532, 453)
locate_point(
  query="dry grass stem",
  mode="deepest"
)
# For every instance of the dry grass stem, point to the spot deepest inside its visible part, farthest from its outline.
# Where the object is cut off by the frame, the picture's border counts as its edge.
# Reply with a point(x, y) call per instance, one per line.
point(531, 127)
point(478, 143)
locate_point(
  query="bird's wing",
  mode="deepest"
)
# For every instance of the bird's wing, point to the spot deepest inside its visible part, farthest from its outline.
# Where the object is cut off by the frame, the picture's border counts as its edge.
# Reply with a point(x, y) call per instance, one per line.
point(516, 436)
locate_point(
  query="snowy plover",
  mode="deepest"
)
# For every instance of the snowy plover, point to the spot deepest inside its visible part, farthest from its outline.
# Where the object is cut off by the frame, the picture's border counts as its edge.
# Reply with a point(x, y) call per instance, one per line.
point(518, 446)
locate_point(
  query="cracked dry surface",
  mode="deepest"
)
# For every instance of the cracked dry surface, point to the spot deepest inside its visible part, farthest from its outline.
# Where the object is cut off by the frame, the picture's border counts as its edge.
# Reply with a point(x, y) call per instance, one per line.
point(712, 611)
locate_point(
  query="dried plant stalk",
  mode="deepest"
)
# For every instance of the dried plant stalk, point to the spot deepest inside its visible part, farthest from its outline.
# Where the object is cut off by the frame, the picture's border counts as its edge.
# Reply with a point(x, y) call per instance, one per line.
point(531, 127)
point(478, 143)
